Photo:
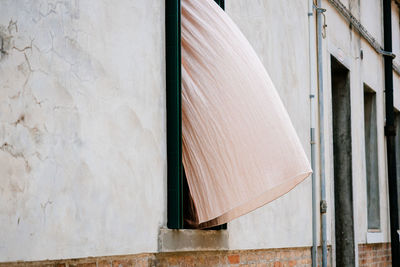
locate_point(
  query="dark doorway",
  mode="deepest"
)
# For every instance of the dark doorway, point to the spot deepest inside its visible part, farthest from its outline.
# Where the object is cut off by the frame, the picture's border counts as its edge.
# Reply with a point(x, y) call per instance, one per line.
point(342, 157)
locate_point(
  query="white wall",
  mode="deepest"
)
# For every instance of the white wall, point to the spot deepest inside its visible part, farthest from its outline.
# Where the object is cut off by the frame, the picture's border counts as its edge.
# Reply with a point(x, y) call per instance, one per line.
point(396, 51)
point(346, 46)
point(82, 128)
point(280, 37)
point(82, 123)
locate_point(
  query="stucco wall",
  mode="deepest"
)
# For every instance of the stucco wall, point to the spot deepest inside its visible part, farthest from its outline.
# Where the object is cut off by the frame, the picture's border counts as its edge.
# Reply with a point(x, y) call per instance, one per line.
point(82, 123)
point(82, 128)
point(396, 51)
point(280, 37)
point(346, 46)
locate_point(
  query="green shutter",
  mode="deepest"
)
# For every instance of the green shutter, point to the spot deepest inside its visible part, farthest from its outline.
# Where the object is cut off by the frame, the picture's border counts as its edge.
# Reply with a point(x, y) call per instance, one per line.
point(174, 125)
point(221, 3)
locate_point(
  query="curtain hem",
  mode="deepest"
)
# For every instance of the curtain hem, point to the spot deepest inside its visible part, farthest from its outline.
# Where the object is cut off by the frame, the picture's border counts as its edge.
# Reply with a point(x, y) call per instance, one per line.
point(259, 201)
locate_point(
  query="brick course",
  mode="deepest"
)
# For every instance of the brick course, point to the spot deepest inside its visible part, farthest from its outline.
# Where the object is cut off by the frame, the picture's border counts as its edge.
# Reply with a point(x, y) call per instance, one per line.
point(286, 257)
point(374, 255)
point(369, 255)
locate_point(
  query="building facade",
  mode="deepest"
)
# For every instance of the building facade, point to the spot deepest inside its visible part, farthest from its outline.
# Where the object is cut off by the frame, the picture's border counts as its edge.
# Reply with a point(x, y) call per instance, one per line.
point(83, 147)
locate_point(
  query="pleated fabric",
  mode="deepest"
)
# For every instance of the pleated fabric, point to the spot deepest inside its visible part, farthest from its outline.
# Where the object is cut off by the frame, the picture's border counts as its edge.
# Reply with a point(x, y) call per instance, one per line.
point(240, 150)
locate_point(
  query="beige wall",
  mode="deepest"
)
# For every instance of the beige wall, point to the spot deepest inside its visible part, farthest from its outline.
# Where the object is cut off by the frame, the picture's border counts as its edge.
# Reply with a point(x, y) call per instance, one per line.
point(396, 51)
point(82, 123)
point(280, 37)
point(346, 46)
point(82, 128)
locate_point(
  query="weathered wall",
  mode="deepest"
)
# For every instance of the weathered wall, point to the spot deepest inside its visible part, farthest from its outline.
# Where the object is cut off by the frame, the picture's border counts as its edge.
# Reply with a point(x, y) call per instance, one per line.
point(280, 37)
point(82, 123)
point(346, 46)
point(396, 51)
point(294, 257)
point(82, 128)
point(365, 69)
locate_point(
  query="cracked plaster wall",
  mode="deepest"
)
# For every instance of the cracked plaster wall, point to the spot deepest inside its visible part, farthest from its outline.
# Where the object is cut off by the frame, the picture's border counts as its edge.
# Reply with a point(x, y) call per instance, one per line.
point(82, 154)
point(82, 124)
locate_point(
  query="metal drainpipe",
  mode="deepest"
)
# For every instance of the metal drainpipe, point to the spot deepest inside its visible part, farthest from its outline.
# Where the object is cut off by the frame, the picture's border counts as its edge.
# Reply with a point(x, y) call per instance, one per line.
point(311, 46)
point(323, 204)
point(390, 131)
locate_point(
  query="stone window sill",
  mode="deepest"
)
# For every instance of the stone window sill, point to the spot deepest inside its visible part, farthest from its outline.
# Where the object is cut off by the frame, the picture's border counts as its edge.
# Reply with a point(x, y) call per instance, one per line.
point(170, 240)
point(375, 237)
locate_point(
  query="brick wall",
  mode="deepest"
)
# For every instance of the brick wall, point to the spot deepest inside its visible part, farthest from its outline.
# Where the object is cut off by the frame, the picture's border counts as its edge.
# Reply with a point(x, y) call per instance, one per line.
point(244, 258)
point(374, 255)
point(369, 255)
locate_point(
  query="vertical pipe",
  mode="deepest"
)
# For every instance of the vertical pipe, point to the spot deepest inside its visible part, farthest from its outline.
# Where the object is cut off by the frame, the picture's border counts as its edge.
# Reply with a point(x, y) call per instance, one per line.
point(390, 131)
point(311, 46)
point(323, 204)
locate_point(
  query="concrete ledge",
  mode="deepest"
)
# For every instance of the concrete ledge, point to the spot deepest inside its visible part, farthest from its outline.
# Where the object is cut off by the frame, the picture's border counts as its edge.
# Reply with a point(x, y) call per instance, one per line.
point(192, 240)
point(375, 237)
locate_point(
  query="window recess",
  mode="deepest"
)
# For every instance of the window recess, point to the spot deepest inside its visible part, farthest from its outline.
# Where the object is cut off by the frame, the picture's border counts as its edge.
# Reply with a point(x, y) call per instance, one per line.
point(371, 159)
point(177, 189)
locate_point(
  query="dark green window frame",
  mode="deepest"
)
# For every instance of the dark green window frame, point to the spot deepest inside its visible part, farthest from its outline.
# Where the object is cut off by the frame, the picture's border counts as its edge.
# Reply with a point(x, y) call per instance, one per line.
point(221, 3)
point(176, 181)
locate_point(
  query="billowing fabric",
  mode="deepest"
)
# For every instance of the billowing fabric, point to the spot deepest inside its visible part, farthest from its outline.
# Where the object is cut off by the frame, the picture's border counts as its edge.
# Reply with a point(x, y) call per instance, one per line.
point(240, 150)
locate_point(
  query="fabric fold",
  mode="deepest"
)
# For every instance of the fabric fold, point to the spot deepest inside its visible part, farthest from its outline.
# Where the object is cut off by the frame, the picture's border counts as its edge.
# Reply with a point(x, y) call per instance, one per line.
point(240, 149)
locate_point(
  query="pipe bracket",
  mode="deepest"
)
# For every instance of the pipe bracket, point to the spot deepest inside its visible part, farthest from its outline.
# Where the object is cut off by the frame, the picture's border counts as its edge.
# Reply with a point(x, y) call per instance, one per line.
point(387, 54)
point(323, 206)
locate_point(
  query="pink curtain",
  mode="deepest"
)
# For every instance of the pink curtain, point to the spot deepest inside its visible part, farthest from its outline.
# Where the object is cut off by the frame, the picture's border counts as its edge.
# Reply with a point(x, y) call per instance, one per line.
point(240, 150)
